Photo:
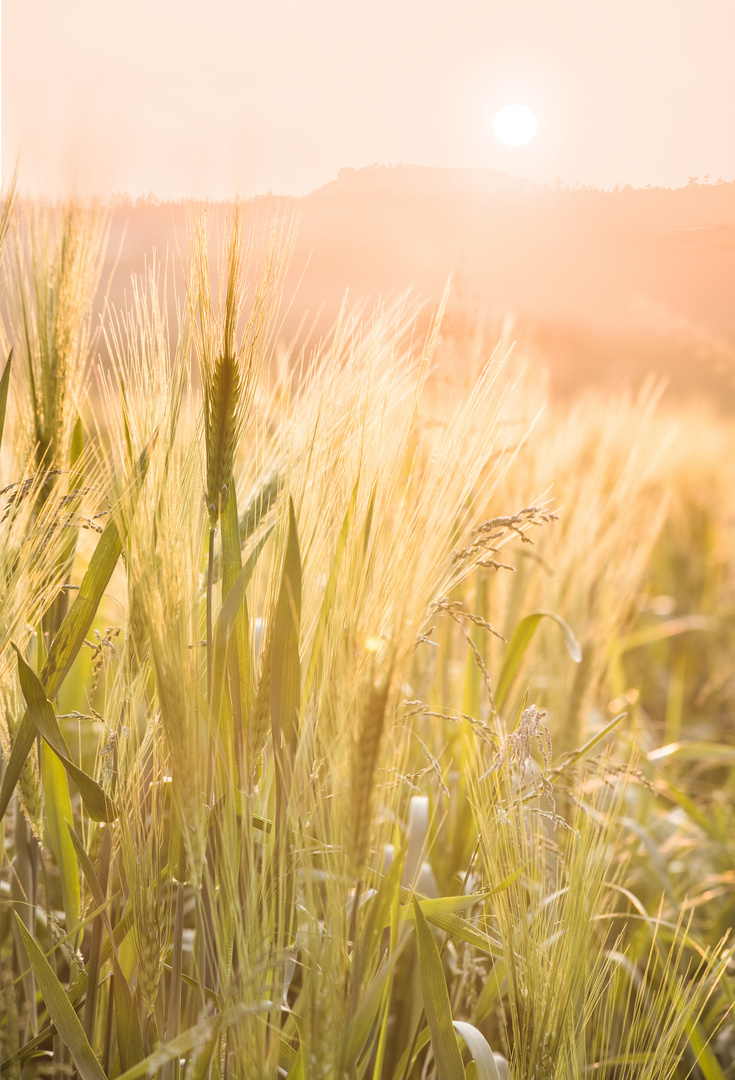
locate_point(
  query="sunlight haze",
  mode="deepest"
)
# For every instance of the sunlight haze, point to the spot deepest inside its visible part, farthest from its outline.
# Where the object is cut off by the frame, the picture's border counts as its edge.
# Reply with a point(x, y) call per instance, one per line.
point(186, 99)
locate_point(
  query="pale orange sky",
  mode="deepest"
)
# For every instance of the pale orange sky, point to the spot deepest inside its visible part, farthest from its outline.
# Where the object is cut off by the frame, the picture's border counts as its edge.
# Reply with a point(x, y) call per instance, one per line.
point(222, 97)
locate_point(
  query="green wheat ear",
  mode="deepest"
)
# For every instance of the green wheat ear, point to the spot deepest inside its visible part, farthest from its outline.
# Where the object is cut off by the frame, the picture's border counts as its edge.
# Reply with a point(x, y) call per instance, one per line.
point(222, 408)
point(231, 347)
point(228, 377)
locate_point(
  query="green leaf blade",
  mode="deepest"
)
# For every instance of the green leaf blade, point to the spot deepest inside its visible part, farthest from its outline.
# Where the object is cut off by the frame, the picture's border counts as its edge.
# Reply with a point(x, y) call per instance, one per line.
point(59, 816)
point(519, 643)
point(42, 717)
point(436, 1003)
point(356, 1038)
point(286, 665)
point(61, 1011)
point(4, 387)
point(487, 1065)
point(328, 599)
point(72, 632)
point(229, 614)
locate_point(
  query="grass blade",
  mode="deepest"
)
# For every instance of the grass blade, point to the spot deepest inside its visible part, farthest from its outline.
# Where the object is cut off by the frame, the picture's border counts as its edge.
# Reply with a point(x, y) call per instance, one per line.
point(381, 905)
point(72, 634)
point(355, 1039)
point(407, 1059)
point(60, 1009)
point(259, 504)
point(4, 386)
point(76, 992)
point(296, 1072)
point(238, 651)
point(75, 627)
point(95, 948)
point(226, 620)
point(58, 818)
point(486, 1065)
point(583, 751)
point(328, 599)
point(127, 1020)
point(449, 921)
point(436, 1003)
point(195, 1037)
point(518, 644)
point(42, 715)
point(444, 905)
point(286, 667)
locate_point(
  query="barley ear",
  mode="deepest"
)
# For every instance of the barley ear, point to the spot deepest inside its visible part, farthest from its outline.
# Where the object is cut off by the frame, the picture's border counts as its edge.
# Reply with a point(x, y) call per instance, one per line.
point(222, 398)
point(366, 751)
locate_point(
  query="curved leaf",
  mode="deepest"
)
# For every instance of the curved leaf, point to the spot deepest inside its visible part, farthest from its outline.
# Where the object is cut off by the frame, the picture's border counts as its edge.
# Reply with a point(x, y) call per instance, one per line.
point(42, 716)
point(519, 642)
point(489, 1066)
point(72, 632)
point(651, 635)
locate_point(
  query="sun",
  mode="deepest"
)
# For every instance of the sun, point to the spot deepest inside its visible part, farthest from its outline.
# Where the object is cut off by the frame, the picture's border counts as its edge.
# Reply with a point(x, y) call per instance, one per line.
point(515, 125)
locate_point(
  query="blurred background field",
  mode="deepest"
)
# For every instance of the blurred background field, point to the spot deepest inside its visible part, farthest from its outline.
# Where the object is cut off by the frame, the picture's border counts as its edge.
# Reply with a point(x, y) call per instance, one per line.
point(607, 286)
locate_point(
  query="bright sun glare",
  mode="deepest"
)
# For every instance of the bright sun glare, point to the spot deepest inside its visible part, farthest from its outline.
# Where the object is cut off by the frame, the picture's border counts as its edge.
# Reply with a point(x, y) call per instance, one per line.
point(515, 125)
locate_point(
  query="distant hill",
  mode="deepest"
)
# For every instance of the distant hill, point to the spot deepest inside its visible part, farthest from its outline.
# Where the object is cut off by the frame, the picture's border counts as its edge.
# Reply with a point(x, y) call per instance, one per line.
point(412, 180)
point(609, 283)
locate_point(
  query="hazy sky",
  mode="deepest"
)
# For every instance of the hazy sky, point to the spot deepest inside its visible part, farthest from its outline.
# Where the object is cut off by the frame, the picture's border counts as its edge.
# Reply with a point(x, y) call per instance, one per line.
point(222, 97)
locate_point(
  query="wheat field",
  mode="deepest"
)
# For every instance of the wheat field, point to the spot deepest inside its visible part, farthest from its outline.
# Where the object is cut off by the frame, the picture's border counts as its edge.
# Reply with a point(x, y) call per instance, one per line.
point(363, 714)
